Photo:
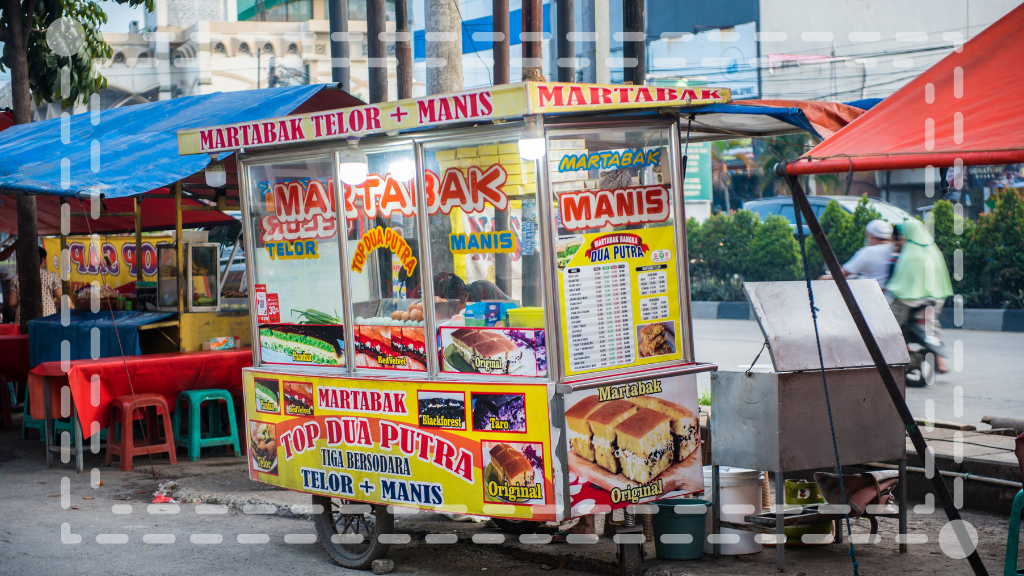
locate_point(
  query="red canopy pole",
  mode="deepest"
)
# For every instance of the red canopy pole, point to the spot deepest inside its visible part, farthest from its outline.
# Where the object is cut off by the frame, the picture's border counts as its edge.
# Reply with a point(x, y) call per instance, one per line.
point(837, 164)
point(938, 484)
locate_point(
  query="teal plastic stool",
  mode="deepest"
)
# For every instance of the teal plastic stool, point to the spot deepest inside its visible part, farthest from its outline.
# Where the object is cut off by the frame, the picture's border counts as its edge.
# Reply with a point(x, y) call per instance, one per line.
point(68, 425)
point(28, 423)
point(193, 438)
point(1013, 538)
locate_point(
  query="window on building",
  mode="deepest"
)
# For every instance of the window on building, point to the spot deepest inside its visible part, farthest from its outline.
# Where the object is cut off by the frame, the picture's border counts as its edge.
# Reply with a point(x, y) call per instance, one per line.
point(268, 49)
point(119, 58)
point(220, 49)
point(243, 48)
point(293, 50)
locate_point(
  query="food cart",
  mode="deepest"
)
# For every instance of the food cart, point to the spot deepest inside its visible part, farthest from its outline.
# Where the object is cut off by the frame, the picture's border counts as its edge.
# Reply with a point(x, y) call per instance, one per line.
point(501, 326)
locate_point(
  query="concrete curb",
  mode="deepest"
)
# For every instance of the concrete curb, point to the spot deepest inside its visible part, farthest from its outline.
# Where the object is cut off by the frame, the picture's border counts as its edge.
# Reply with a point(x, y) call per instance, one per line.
point(989, 320)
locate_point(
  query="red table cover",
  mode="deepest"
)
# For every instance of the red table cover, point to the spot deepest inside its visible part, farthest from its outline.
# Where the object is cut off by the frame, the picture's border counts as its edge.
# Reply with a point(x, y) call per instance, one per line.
point(10, 329)
point(164, 374)
point(14, 357)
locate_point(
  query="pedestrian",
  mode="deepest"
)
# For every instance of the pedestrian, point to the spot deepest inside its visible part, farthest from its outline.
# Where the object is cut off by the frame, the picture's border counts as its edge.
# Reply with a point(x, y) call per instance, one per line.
point(919, 281)
point(873, 261)
point(52, 292)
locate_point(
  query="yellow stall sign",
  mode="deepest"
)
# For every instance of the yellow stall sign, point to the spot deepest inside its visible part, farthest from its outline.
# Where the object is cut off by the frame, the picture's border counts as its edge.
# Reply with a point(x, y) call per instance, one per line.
point(453, 447)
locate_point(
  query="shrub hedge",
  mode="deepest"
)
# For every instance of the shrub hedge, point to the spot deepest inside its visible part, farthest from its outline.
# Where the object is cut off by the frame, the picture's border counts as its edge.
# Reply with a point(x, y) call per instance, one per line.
point(728, 249)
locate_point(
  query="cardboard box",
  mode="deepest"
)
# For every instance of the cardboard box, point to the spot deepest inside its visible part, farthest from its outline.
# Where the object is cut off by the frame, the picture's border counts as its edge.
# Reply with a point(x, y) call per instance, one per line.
point(511, 158)
point(487, 149)
point(567, 186)
point(509, 148)
point(568, 144)
point(445, 155)
point(489, 159)
point(467, 152)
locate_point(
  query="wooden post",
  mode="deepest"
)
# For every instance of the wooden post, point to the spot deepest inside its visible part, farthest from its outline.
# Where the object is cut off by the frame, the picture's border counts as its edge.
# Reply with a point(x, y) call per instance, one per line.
point(499, 11)
point(403, 49)
point(65, 268)
point(533, 48)
point(377, 56)
point(179, 249)
point(138, 243)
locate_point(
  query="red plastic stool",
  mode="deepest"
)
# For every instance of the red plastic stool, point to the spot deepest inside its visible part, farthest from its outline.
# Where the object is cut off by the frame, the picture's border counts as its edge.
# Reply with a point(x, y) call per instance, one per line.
point(122, 411)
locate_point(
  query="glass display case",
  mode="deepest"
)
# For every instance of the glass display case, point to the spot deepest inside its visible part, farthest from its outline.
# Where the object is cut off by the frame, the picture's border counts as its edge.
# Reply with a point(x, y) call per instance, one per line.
point(167, 278)
point(202, 277)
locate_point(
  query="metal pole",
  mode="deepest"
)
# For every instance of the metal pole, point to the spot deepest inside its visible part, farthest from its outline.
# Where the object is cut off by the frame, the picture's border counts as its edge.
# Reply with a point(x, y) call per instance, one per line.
point(566, 48)
point(340, 64)
point(403, 49)
point(634, 42)
point(377, 57)
point(938, 485)
point(716, 509)
point(533, 27)
point(903, 504)
point(499, 12)
point(780, 522)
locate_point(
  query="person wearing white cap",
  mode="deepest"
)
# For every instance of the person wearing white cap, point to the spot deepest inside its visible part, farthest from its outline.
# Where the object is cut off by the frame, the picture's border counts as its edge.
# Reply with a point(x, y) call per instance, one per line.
point(874, 260)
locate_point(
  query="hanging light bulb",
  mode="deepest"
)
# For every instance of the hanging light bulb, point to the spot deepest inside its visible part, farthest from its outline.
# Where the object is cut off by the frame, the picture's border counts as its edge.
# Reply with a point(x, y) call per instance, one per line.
point(404, 170)
point(531, 140)
point(352, 166)
point(216, 174)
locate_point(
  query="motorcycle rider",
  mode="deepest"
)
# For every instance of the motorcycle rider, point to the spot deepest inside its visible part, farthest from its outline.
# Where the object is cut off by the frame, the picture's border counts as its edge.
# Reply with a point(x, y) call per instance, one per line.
point(874, 260)
point(920, 281)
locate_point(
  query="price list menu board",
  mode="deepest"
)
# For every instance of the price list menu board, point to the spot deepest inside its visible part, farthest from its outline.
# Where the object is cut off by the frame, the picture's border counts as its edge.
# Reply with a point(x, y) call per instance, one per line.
point(599, 316)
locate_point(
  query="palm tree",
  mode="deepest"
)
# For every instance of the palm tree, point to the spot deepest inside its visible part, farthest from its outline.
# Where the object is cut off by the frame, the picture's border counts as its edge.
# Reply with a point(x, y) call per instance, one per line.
point(789, 147)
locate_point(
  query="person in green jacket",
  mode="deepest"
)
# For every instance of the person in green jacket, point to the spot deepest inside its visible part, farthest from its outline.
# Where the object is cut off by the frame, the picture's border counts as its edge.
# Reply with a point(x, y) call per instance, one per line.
point(919, 279)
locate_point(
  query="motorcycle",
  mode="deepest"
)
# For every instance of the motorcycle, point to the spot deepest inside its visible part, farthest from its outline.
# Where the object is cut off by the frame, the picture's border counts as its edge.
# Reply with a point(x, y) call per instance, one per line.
point(923, 346)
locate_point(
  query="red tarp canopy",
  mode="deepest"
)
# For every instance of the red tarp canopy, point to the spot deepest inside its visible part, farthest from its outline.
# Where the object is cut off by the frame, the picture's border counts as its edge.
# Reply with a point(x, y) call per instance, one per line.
point(157, 214)
point(966, 107)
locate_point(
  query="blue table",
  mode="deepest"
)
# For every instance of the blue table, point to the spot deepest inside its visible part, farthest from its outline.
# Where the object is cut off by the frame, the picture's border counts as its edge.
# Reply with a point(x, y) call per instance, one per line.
point(47, 334)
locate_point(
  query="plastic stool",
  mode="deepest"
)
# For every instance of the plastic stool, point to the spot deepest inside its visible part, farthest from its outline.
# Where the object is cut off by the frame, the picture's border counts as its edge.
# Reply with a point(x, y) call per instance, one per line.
point(123, 445)
point(68, 424)
point(28, 422)
point(1013, 538)
point(193, 438)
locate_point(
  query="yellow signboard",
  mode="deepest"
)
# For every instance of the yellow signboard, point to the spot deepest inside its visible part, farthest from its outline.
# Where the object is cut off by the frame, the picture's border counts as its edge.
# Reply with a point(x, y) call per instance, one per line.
point(111, 260)
point(453, 447)
point(480, 105)
point(619, 293)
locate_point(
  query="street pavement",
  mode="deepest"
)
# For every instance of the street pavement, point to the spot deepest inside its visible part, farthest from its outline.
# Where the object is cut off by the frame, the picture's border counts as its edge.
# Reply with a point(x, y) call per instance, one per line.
point(989, 382)
point(114, 529)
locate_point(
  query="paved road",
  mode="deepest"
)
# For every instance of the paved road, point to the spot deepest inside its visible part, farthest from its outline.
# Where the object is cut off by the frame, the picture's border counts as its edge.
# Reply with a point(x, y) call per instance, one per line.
point(990, 380)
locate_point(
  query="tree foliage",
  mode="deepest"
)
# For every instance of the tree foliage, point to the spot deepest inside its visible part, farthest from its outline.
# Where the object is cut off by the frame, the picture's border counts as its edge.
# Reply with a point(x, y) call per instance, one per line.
point(79, 48)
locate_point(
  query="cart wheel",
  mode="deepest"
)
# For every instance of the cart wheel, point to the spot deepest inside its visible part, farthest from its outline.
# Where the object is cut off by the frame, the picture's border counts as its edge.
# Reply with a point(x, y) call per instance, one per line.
point(631, 559)
point(350, 531)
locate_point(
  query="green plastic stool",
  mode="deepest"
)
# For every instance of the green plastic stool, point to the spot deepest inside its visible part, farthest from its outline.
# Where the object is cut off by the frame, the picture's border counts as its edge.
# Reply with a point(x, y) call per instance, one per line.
point(28, 422)
point(193, 439)
point(1013, 538)
point(68, 425)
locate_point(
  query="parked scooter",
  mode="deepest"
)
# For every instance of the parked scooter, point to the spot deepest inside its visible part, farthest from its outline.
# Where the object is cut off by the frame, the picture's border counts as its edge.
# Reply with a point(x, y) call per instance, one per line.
point(920, 343)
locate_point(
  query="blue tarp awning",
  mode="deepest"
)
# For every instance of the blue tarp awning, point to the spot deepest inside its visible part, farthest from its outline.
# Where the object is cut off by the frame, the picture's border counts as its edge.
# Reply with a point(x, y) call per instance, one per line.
point(134, 149)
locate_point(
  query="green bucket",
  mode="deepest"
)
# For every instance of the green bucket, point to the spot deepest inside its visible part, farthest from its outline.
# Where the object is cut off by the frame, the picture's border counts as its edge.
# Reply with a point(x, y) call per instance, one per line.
point(679, 528)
